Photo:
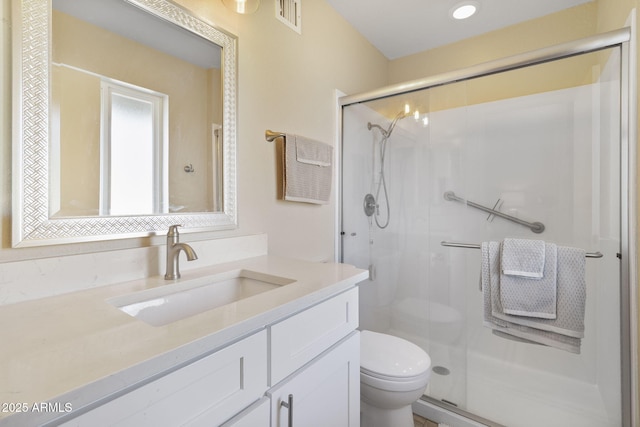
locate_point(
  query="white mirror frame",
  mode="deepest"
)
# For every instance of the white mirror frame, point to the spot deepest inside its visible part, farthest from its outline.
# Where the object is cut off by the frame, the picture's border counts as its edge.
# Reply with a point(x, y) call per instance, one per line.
point(32, 225)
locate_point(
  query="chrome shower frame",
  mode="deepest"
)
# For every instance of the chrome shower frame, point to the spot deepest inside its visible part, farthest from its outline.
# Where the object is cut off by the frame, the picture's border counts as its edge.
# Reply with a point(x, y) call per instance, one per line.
point(624, 39)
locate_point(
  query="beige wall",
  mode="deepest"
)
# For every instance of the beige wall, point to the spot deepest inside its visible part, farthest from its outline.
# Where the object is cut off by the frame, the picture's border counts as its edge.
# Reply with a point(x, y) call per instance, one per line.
point(287, 84)
point(5, 123)
point(75, 110)
point(567, 25)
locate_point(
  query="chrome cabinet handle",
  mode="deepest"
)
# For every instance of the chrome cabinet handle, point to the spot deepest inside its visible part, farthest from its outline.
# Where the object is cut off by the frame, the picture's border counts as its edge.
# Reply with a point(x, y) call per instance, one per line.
point(289, 406)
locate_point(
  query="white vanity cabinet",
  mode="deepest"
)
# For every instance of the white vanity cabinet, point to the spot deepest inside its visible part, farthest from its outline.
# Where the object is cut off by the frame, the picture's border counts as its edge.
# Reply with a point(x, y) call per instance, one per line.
point(233, 365)
point(316, 380)
point(312, 355)
point(208, 391)
point(326, 392)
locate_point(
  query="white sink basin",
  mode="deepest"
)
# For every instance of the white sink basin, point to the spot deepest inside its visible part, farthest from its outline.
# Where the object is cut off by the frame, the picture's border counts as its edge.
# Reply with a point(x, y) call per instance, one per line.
point(172, 302)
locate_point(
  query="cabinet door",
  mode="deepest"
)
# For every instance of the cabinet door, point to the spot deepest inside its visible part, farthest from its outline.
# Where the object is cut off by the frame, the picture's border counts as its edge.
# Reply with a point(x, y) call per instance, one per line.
point(325, 392)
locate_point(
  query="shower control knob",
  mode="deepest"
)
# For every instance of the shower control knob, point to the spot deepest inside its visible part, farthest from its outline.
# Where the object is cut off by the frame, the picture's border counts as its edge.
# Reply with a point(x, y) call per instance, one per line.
point(369, 204)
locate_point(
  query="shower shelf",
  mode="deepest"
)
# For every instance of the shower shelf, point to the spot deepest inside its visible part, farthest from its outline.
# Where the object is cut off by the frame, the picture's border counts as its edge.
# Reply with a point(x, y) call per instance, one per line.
point(477, 246)
point(536, 227)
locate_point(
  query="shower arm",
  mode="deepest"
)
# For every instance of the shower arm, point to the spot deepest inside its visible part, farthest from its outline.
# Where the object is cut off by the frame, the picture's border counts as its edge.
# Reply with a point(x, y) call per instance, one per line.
point(536, 227)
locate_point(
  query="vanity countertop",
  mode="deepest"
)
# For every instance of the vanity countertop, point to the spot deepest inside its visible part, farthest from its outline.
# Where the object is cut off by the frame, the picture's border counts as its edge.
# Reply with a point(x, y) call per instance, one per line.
point(74, 348)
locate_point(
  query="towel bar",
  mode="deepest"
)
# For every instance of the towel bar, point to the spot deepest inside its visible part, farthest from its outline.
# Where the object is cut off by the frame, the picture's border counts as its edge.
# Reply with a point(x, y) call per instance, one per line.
point(476, 246)
point(270, 135)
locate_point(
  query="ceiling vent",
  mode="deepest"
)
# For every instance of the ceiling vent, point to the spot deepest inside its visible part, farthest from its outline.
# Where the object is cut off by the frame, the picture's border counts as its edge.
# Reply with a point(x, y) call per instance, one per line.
point(288, 11)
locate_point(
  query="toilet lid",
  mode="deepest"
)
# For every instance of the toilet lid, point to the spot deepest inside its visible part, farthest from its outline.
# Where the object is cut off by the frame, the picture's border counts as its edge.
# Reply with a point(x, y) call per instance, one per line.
point(391, 356)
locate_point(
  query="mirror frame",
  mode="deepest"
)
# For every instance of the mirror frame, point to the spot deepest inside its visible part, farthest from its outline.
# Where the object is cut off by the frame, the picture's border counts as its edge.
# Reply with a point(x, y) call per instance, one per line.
point(32, 225)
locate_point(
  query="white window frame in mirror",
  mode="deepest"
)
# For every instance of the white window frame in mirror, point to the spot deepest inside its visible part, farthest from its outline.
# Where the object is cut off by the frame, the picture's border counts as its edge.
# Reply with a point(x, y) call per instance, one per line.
point(154, 172)
point(32, 224)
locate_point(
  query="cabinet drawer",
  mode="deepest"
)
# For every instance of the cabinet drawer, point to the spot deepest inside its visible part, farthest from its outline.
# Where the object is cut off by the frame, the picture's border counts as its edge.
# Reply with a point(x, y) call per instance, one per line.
point(222, 383)
point(303, 336)
point(256, 415)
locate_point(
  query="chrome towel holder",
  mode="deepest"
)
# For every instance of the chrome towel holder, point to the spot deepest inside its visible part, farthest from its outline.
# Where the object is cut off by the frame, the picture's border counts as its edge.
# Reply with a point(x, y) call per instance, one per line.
point(477, 246)
point(270, 135)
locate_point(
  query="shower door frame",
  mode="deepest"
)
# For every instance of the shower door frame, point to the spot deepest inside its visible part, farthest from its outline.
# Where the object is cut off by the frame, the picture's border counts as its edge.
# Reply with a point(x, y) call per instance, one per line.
point(624, 39)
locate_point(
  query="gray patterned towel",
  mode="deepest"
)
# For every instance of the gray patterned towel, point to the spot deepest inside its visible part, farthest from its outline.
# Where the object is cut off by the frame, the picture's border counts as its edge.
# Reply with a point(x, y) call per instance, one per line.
point(308, 170)
point(566, 331)
point(523, 257)
point(526, 296)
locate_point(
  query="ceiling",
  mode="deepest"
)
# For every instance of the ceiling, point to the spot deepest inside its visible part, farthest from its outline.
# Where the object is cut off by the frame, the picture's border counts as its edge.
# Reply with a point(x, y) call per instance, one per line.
point(403, 27)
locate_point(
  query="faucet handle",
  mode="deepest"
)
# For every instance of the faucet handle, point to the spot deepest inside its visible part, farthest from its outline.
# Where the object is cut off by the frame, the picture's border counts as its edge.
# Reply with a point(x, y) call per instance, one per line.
point(173, 230)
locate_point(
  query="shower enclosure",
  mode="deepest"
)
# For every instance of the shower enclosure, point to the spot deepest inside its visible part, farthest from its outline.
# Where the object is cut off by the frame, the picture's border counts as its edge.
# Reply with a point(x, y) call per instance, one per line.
point(536, 147)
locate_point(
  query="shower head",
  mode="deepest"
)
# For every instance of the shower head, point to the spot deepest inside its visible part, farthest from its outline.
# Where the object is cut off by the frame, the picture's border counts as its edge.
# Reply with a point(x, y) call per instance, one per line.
point(386, 133)
point(382, 131)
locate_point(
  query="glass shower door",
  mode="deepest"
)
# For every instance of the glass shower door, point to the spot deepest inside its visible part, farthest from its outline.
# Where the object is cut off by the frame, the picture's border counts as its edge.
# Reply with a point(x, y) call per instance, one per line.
point(541, 144)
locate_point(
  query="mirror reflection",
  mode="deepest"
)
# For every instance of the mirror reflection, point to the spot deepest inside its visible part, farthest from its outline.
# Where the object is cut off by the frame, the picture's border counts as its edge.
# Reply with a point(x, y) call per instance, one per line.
point(135, 111)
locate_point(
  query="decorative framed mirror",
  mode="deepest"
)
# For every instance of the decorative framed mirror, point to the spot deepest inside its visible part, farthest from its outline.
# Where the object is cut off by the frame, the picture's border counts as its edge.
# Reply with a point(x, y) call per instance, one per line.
point(124, 121)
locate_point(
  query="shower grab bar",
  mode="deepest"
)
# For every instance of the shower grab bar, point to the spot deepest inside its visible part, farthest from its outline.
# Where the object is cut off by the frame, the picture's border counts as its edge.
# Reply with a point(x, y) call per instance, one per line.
point(270, 135)
point(476, 246)
point(536, 227)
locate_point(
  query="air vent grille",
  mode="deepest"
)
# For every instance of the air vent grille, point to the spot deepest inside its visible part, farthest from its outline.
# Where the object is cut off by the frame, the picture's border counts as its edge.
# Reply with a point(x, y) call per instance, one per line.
point(288, 11)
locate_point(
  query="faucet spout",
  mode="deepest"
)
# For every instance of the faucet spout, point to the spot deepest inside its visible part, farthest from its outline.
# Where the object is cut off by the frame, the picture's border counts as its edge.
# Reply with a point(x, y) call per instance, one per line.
point(174, 247)
point(188, 251)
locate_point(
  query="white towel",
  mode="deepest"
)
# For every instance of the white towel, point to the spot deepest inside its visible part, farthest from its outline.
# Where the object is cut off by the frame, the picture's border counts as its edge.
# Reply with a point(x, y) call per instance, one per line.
point(506, 324)
point(307, 170)
point(524, 295)
point(523, 257)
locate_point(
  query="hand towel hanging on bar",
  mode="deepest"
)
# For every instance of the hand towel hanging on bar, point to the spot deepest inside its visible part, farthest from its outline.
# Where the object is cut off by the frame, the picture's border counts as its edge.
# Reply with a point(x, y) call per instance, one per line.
point(307, 168)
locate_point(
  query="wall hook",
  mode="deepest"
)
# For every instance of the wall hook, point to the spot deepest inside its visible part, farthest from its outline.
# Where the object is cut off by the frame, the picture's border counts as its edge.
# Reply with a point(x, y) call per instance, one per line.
point(189, 168)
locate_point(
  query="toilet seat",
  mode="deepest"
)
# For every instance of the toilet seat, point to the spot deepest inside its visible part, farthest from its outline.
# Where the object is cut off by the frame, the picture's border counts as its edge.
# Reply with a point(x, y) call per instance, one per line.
point(388, 358)
point(394, 385)
point(390, 378)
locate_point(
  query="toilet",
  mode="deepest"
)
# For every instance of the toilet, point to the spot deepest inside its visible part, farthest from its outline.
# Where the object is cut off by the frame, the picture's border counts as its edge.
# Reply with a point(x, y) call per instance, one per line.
point(393, 374)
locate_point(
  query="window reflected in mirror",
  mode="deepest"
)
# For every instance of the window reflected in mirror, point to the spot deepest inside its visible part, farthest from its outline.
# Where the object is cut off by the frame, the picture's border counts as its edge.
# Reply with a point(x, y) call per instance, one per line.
point(133, 172)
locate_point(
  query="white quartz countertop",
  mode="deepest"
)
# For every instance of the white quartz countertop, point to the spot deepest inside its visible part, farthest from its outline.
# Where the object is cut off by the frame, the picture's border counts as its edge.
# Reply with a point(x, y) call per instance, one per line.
point(75, 348)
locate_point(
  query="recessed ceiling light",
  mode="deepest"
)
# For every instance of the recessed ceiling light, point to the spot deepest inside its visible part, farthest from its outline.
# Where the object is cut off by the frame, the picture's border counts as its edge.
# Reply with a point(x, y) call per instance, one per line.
point(464, 10)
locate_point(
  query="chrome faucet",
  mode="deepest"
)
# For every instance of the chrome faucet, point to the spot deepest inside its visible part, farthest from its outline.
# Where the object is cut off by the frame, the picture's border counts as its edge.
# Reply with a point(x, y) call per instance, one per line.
point(173, 252)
